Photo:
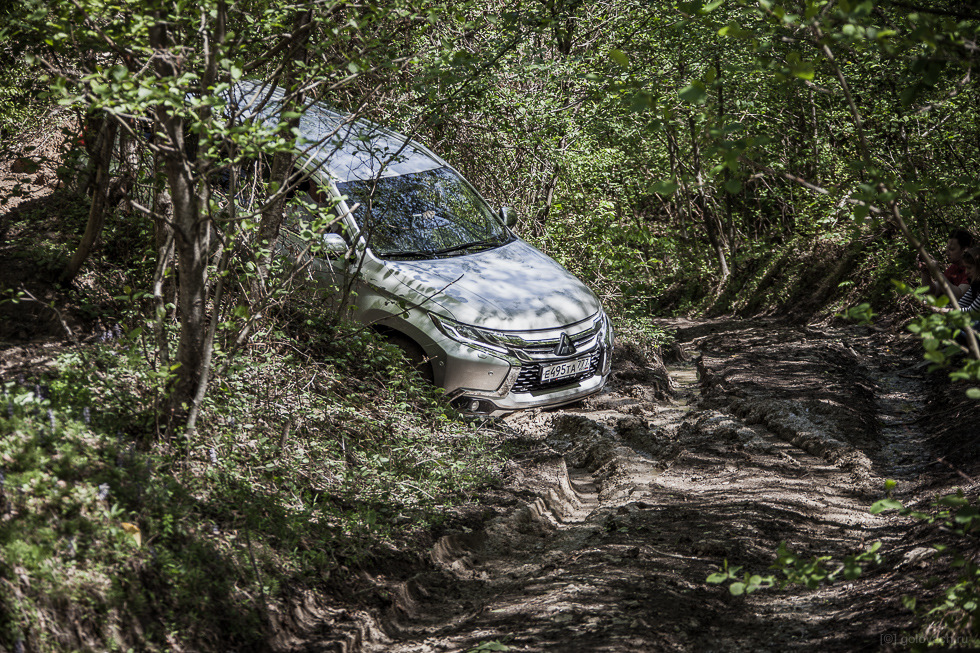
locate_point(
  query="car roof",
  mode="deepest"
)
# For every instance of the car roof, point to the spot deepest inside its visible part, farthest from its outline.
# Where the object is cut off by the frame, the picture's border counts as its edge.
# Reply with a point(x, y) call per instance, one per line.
point(345, 148)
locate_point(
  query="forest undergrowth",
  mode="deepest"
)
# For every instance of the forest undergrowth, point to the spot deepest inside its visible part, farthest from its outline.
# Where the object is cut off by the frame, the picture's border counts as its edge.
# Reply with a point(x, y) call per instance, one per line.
point(317, 450)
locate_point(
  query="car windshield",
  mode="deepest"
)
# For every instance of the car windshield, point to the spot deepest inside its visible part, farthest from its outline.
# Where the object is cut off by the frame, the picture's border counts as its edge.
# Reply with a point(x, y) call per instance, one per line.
point(423, 214)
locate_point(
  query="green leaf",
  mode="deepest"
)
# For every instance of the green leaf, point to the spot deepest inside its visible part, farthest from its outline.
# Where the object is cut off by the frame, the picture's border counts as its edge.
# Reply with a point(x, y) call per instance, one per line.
point(804, 70)
point(737, 589)
point(966, 515)
point(693, 93)
point(908, 95)
point(733, 186)
point(973, 393)
point(619, 58)
point(717, 577)
point(885, 504)
point(953, 500)
point(664, 187)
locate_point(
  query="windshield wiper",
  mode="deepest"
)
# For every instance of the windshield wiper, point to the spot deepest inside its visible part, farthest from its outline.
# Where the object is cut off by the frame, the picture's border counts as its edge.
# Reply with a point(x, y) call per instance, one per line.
point(489, 242)
point(407, 252)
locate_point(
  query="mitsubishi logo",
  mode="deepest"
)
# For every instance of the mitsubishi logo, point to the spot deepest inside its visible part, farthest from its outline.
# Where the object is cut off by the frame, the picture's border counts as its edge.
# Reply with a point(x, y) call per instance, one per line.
point(564, 346)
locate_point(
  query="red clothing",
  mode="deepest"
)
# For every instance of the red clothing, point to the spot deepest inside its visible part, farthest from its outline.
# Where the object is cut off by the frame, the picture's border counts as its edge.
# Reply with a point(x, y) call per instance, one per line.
point(956, 274)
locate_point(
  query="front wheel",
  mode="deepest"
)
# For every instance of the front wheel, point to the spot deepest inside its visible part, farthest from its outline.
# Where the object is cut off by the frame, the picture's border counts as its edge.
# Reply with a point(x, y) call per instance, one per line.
point(415, 355)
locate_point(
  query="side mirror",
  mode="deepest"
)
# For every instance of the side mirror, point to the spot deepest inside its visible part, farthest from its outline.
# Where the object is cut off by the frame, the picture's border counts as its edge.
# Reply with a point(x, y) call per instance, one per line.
point(334, 244)
point(508, 215)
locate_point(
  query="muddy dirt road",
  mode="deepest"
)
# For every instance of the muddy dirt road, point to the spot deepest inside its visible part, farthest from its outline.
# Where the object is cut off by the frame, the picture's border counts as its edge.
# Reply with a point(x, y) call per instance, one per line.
point(770, 433)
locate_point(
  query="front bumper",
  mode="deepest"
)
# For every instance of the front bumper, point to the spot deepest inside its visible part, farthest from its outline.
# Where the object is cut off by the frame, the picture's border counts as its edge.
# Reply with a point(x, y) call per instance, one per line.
point(520, 366)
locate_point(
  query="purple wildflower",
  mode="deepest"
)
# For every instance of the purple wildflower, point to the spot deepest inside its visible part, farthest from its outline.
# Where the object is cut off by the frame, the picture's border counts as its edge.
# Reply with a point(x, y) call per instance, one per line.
point(51, 419)
point(117, 330)
point(103, 491)
point(214, 456)
point(10, 410)
point(87, 415)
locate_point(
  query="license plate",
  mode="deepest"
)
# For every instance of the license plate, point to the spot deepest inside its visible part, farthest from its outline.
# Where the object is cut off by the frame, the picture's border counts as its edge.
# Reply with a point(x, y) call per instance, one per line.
point(557, 371)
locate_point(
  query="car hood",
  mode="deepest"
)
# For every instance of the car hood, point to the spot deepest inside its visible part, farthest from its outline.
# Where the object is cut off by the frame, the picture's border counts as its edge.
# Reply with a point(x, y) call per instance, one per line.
point(514, 287)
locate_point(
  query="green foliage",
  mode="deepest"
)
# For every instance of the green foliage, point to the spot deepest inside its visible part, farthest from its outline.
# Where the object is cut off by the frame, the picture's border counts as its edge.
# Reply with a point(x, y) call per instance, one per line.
point(744, 584)
point(956, 614)
point(21, 106)
point(862, 314)
point(636, 328)
point(301, 470)
point(49, 254)
point(795, 570)
point(943, 334)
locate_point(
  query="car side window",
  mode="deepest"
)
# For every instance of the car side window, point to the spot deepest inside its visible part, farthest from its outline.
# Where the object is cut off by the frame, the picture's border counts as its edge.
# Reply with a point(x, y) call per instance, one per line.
point(308, 195)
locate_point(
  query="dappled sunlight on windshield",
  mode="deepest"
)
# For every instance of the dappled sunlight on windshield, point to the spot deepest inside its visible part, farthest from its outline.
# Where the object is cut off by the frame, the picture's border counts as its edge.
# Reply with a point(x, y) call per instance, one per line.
point(422, 214)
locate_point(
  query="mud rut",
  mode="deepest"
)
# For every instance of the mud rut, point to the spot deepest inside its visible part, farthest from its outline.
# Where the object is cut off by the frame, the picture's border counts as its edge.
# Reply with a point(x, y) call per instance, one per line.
point(629, 502)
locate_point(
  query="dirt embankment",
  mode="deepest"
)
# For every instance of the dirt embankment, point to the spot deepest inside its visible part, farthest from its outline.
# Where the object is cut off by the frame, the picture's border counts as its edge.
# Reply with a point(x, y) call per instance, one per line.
point(627, 503)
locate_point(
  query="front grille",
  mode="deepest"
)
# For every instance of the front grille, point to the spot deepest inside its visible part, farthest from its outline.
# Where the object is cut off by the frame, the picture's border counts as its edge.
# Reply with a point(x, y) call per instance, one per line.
point(529, 378)
point(579, 341)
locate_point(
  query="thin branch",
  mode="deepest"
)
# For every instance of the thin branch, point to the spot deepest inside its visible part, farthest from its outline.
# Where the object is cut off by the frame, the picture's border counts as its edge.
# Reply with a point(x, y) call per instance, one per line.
point(803, 182)
point(61, 319)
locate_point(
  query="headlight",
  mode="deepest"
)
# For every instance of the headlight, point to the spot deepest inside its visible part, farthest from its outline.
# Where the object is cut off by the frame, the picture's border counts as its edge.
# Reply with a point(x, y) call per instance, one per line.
point(467, 334)
point(608, 352)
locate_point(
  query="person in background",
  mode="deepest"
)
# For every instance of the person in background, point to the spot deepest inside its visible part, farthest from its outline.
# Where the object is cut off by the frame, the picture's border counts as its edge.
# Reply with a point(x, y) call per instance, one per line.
point(959, 241)
point(970, 301)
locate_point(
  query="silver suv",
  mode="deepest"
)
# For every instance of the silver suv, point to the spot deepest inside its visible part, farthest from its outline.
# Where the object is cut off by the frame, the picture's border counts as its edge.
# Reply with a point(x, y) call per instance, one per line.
point(420, 256)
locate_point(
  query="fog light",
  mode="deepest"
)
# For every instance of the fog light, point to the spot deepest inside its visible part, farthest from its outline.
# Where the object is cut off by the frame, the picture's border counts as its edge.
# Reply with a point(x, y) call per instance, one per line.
point(474, 406)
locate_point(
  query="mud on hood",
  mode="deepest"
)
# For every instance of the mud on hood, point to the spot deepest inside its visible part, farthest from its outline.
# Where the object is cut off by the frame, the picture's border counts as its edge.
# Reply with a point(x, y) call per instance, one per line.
point(511, 288)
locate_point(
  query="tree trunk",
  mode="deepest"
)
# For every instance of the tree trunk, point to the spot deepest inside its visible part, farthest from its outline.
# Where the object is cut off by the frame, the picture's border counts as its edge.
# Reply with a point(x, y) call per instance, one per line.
point(191, 238)
point(282, 162)
point(712, 225)
point(163, 232)
point(546, 197)
point(100, 194)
